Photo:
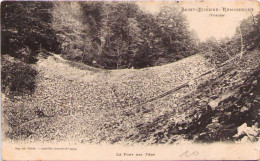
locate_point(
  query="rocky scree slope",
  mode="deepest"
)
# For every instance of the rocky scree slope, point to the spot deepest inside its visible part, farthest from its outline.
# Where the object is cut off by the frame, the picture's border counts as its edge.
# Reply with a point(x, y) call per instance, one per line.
point(73, 102)
point(225, 107)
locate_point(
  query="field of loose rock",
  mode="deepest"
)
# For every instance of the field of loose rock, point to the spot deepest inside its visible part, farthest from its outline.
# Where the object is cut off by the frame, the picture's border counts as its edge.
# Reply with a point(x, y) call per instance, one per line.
point(74, 102)
point(222, 108)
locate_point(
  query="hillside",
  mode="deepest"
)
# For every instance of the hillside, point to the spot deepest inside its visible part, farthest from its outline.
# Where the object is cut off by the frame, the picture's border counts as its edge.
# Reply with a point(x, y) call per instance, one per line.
point(80, 103)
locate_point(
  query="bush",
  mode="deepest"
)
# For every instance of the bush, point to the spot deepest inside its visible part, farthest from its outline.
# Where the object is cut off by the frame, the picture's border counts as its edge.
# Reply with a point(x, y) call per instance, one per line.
point(17, 78)
point(26, 29)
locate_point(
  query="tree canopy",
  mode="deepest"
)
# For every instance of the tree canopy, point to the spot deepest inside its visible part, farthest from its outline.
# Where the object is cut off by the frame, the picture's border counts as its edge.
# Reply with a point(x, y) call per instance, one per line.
point(132, 38)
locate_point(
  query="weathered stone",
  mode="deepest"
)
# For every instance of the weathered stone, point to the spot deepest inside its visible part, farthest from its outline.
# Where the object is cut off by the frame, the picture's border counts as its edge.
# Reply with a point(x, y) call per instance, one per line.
point(214, 103)
point(197, 99)
point(227, 113)
point(215, 120)
point(213, 97)
point(213, 126)
point(251, 132)
point(244, 139)
point(244, 109)
point(254, 83)
point(240, 130)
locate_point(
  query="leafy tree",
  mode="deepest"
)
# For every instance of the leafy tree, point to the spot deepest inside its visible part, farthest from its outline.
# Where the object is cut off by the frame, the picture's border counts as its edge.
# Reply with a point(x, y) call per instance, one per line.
point(250, 28)
point(175, 35)
point(246, 38)
point(26, 28)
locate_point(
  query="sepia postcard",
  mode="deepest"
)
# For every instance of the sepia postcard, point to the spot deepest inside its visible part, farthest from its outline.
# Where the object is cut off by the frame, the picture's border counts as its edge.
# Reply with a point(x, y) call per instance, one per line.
point(130, 80)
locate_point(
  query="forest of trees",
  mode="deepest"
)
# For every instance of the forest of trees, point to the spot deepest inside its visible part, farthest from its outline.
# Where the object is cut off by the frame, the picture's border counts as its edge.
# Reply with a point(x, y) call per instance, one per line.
point(25, 30)
point(246, 38)
point(98, 35)
point(109, 35)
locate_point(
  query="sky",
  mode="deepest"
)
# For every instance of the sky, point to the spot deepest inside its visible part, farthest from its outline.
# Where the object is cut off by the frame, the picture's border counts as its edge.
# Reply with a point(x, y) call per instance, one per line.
point(204, 24)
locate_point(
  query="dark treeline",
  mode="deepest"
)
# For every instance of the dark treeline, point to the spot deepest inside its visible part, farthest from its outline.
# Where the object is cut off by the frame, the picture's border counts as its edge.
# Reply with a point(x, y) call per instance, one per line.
point(109, 35)
point(119, 35)
point(25, 30)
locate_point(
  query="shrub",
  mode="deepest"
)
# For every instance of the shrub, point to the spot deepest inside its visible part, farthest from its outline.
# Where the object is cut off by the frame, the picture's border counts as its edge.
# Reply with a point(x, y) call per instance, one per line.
point(17, 78)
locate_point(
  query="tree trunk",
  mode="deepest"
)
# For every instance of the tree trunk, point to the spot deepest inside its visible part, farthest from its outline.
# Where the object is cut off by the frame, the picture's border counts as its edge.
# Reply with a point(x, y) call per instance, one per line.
point(242, 46)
